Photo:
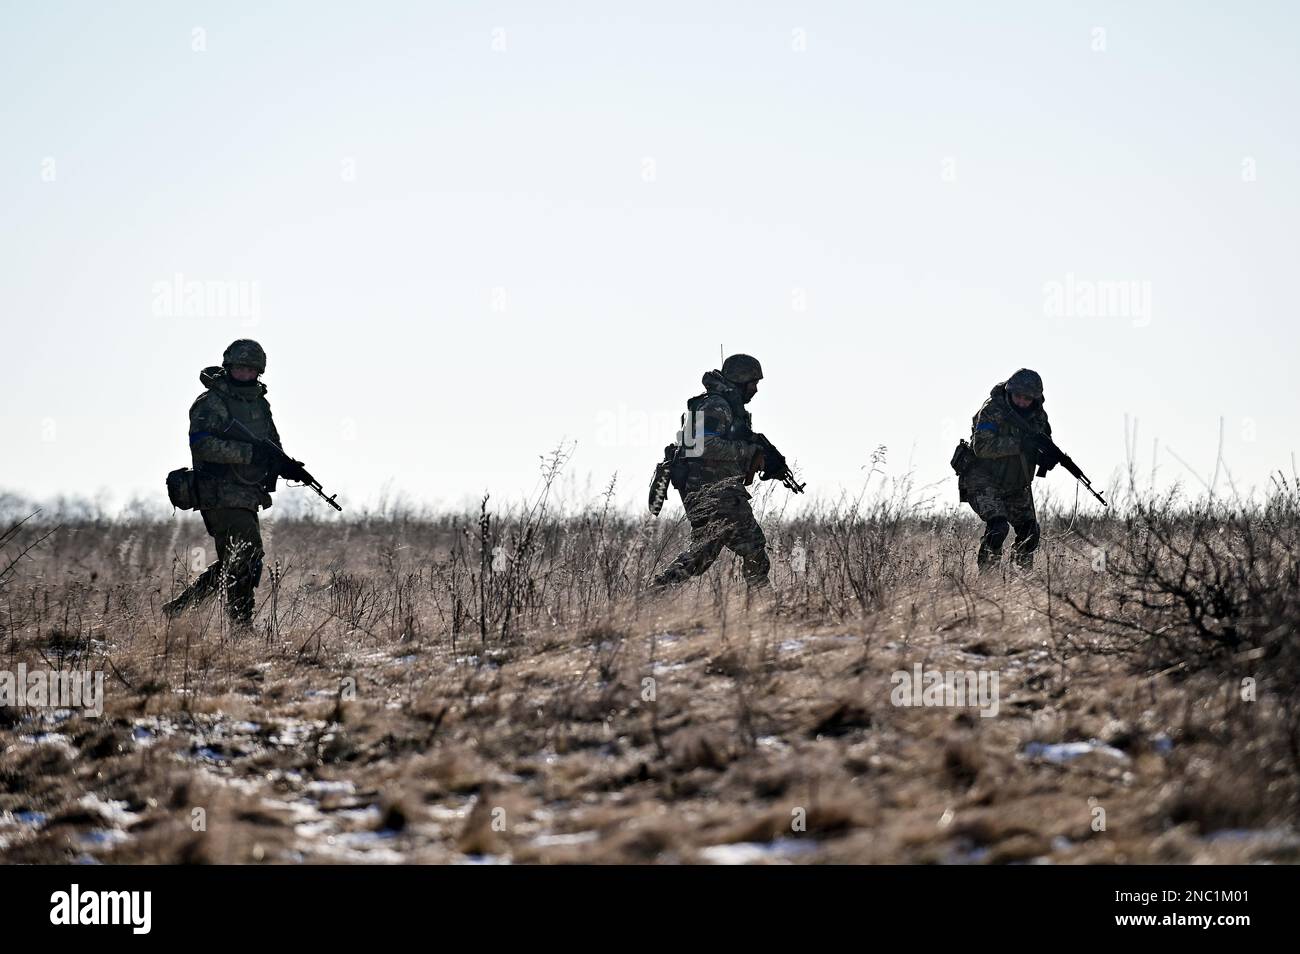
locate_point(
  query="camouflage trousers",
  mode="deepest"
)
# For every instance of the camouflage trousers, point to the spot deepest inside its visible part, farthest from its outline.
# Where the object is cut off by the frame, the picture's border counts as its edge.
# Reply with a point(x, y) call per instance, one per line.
point(1001, 510)
point(238, 566)
point(720, 516)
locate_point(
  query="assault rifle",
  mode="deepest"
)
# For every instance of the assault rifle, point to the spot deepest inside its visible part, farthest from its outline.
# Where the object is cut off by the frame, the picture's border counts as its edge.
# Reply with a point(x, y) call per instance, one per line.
point(285, 466)
point(775, 466)
point(1047, 448)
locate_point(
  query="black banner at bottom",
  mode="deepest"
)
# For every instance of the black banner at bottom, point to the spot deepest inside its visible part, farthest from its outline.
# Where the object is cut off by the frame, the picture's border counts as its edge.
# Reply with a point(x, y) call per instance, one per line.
point(337, 903)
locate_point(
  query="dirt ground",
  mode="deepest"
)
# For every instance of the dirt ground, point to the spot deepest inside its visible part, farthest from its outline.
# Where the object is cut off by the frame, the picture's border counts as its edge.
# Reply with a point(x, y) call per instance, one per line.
point(701, 726)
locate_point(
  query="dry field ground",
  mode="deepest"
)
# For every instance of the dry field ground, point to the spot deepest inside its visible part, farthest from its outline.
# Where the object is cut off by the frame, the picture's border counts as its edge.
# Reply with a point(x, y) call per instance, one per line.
point(500, 688)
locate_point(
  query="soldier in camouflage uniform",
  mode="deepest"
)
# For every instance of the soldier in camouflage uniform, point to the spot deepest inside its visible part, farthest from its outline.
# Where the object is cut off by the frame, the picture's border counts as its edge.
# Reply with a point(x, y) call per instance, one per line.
point(717, 458)
point(233, 478)
point(997, 482)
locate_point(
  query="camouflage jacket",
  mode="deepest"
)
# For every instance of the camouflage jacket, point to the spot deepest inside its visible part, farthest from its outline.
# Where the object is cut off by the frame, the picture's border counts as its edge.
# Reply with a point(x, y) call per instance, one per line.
point(717, 440)
point(227, 476)
point(1001, 461)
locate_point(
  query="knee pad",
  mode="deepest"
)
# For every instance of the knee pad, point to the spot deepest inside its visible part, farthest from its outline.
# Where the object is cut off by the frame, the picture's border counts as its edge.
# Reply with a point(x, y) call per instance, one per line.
point(995, 532)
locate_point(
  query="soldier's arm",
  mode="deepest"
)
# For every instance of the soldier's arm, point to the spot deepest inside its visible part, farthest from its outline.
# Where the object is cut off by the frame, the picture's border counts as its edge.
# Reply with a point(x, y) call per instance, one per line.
point(209, 418)
point(716, 423)
point(993, 437)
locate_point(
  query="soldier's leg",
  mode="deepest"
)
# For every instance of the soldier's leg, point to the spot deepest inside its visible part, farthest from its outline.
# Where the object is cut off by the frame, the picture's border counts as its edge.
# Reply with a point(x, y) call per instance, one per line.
point(989, 504)
point(706, 541)
point(745, 538)
point(1020, 511)
point(206, 584)
point(239, 547)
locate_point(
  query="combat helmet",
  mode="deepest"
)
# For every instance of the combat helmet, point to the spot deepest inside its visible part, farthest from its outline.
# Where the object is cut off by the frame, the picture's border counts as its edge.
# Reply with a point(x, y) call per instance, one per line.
point(742, 369)
point(247, 352)
point(1027, 382)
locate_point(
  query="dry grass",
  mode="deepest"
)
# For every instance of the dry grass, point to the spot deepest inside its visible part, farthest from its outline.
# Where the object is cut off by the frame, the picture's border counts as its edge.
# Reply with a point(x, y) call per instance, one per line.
point(499, 687)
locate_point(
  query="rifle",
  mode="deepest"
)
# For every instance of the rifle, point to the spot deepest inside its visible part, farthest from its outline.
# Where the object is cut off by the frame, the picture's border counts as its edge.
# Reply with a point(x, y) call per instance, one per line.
point(667, 472)
point(1062, 457)
point(775, 466)
point(245, 435)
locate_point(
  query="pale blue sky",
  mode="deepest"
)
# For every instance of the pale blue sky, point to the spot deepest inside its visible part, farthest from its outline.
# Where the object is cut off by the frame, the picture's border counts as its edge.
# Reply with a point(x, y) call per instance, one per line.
point(875, 216)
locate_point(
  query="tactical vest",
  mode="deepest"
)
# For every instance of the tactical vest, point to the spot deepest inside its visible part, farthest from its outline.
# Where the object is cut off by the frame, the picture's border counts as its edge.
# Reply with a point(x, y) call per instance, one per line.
point(741, 428)
point(692, 471)
point(238, 485)
point(1012, 473)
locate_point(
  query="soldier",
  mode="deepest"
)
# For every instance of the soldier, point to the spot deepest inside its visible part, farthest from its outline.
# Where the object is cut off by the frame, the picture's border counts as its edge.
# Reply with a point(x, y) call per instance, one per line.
point(717, 455)
point(1007, 445)
point(233, 478)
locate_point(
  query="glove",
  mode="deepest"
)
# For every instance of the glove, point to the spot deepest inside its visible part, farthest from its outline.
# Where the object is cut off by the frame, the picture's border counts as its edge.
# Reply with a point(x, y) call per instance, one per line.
point(291, 469)
point(1048, 458)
